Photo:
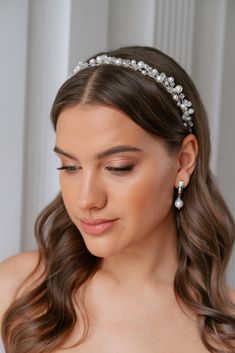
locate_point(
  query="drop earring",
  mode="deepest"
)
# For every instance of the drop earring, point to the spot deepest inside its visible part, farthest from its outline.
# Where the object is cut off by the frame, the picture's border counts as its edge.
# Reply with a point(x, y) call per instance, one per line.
point(179, 202)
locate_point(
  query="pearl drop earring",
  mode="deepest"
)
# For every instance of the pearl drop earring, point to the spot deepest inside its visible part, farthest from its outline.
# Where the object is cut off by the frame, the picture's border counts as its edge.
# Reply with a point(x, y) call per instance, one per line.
point(179, 202)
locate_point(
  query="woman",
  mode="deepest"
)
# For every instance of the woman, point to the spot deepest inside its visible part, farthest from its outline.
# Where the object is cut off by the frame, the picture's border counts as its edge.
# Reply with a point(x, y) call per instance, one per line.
point(133, 252)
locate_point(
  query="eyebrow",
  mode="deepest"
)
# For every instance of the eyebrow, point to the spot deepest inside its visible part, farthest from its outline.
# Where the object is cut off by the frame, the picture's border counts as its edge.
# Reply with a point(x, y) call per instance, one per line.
point(100, 155)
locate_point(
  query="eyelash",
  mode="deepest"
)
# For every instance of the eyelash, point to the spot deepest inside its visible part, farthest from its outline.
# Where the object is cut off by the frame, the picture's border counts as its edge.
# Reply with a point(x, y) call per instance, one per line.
point(116, 170)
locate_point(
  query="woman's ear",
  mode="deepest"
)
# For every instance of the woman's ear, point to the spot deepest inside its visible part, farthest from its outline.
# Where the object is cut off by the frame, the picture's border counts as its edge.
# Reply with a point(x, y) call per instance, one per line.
point(187, 157)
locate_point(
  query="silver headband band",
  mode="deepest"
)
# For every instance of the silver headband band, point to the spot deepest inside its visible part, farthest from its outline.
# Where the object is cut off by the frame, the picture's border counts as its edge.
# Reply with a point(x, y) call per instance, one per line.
point(168, 82)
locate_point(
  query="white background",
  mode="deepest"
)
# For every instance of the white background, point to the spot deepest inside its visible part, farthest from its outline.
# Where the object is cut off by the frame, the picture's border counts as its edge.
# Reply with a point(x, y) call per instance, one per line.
point(41, 42)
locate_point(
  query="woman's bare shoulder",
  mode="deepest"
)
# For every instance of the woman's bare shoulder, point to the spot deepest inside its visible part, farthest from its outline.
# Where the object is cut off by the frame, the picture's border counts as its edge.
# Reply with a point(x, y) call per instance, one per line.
point(13, 273)
point(231, 292)
point(15, 269)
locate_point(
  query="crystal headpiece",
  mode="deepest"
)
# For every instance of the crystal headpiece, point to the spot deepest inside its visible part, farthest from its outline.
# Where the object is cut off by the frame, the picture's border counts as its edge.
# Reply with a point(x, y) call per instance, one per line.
point(168, 82)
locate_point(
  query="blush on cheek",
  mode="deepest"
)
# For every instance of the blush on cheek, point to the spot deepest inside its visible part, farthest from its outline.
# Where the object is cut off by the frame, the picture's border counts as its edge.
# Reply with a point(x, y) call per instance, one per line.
point(67, 203)
point(152, 197)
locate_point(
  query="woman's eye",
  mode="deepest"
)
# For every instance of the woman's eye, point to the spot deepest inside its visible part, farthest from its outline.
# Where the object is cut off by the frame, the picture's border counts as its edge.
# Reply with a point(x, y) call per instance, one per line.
point(120, 170)
point(69, 168)
point(116, 170)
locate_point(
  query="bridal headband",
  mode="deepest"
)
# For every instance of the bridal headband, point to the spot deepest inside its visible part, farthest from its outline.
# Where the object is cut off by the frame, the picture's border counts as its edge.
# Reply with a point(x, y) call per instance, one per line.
point(168, 82)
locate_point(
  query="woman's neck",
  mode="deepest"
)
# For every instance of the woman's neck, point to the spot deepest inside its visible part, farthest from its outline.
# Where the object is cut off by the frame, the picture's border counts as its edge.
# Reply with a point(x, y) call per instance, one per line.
point(150, 261)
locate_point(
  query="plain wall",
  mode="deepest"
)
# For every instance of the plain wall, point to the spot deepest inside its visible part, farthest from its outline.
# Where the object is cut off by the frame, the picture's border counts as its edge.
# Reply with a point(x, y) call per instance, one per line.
point(13, 44)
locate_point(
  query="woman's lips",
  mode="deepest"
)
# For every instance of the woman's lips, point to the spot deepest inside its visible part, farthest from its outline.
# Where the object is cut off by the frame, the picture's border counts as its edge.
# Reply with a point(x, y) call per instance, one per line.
point(97, 226)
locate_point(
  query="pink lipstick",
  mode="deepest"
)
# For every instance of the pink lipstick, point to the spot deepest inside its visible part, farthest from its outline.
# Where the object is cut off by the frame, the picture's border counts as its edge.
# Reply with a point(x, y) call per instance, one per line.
point(96, 227)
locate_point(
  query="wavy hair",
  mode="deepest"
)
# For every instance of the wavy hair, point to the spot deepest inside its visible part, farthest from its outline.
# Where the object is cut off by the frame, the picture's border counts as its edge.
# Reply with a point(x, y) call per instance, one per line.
point(42, 318)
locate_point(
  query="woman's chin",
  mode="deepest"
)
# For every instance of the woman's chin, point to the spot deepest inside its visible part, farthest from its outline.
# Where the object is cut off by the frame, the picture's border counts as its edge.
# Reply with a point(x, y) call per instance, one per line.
point(101, 250)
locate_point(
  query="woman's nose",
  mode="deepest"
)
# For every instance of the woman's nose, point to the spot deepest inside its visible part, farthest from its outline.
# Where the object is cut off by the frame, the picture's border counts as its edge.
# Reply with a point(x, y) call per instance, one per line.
point(91, 193)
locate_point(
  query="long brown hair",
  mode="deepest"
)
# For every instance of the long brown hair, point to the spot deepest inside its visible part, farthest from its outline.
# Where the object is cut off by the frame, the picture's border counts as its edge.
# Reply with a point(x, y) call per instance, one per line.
point(41, 319)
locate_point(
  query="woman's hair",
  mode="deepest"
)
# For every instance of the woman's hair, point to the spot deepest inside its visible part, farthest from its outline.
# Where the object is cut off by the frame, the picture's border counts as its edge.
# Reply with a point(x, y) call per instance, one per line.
point(42, 318)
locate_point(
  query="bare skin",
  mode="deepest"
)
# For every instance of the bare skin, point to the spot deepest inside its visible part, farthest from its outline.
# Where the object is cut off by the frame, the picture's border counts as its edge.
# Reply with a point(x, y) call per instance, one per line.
point(130, 301)
point(132, 319)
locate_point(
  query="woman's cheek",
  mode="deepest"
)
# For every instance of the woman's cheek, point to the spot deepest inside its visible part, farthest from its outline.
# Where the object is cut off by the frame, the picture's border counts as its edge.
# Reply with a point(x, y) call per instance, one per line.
point(151, 194)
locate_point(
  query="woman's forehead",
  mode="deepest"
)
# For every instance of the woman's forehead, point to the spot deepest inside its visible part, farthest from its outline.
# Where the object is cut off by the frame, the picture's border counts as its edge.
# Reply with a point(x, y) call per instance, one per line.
point(99, 128)
point(99, 123)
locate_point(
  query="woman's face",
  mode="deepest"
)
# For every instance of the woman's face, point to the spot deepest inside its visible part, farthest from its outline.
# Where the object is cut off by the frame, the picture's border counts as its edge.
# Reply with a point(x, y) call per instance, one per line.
point(119, 177)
